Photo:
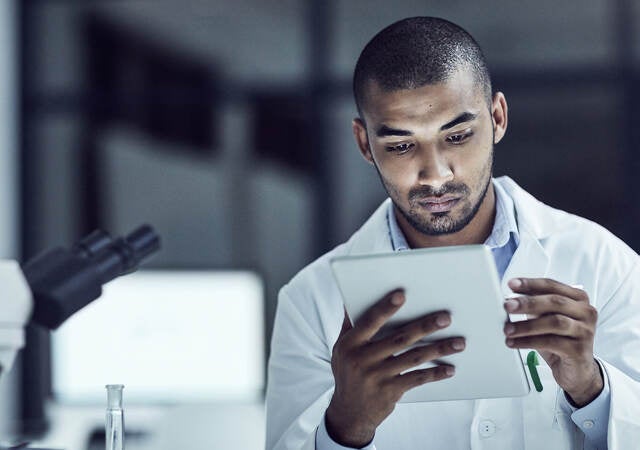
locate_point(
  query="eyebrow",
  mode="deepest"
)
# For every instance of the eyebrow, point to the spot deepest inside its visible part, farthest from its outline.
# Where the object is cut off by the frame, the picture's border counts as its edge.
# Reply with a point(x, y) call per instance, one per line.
point(385, 131)
point(464, 117)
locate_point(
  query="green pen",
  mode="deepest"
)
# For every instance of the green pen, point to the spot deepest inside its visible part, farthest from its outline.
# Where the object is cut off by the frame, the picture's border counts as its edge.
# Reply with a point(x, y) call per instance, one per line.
point(532, 358)
point(532, 362)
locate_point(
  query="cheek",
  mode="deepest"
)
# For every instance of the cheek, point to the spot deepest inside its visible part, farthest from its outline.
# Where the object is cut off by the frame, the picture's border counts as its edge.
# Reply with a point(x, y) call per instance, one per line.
point(398, 177)
point(467, 165)
point(393, 183)
point(471, 164)
point(400, 170)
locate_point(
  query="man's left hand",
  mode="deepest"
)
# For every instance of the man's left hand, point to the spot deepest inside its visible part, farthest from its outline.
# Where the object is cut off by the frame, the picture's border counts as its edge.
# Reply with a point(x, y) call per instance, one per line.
point(560, 325)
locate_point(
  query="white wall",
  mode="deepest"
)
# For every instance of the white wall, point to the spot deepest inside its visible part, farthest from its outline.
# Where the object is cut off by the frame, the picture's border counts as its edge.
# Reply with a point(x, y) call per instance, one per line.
point(9, 211)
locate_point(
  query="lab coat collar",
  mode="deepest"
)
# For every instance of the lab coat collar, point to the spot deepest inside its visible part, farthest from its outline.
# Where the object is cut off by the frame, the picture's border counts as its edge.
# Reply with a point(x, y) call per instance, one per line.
point(533, 217)
point(374, 235)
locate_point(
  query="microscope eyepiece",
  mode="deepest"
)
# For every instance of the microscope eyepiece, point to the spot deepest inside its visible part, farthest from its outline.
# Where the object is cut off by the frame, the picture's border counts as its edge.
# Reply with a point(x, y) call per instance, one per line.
point(143, 242)
point(92, 243)
point(124, 255)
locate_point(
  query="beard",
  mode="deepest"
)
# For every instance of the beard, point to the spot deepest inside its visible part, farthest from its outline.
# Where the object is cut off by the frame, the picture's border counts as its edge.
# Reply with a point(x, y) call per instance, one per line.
point(441, 223)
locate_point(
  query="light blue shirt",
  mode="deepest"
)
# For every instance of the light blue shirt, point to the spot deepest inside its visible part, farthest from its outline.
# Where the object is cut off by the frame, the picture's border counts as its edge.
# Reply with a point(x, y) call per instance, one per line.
point(593, 418)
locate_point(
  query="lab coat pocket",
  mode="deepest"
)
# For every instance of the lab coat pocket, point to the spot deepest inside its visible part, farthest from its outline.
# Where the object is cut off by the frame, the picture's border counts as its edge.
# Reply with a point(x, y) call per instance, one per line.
point(546, 426)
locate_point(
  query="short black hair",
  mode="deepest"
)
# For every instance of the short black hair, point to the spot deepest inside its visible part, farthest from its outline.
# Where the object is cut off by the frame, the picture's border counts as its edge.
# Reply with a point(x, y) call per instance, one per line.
point(417, 51)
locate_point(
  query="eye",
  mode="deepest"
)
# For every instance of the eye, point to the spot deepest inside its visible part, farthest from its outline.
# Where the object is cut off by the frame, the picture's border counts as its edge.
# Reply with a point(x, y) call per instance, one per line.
point(400, 148)
point(457, 139)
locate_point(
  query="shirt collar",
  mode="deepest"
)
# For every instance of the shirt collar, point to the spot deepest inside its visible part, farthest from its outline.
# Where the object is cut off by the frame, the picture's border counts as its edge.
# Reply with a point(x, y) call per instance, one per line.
point(503, 227)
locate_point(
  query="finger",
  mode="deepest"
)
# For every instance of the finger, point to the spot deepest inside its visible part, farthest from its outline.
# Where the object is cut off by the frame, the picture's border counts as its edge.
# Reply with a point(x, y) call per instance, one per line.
point(557, 324)
point(409, 334)
point(562, 346)
point(375, 317)
point(540, 286)
point(537, 305)
point(419, 377)
point(422, 354)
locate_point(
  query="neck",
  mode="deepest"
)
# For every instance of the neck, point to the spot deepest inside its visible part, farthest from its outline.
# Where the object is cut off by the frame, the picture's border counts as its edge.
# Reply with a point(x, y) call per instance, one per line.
point(476, 232)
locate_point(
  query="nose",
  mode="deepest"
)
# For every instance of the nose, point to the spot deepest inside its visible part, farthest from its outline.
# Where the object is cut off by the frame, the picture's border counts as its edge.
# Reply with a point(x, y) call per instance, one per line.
point(435, 169)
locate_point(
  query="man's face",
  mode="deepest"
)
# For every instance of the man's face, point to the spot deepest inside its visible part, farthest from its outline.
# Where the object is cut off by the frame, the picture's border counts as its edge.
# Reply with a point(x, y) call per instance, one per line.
point(433, 149)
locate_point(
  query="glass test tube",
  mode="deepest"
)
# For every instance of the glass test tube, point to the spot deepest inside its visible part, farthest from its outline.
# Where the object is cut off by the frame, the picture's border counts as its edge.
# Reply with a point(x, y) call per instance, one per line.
point(114, 425)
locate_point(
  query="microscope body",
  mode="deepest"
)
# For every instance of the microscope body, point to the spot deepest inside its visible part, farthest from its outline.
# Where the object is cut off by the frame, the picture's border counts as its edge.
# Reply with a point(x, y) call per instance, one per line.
point(16, 305)
point(51, 287)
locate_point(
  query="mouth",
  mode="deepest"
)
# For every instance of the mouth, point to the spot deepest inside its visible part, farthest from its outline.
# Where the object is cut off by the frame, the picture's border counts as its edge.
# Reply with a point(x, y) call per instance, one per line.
point(439, 204)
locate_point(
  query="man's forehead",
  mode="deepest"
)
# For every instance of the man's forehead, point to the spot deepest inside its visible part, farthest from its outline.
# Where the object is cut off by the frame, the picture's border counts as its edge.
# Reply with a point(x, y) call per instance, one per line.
point(457, 93)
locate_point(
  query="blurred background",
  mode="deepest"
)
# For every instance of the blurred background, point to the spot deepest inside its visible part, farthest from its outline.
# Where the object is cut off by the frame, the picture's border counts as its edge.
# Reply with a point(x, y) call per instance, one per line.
point(226, 125)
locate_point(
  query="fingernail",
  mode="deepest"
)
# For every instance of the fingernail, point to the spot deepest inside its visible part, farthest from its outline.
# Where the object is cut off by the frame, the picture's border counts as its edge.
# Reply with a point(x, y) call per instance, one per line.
point(510, 342)
point(458, 345)
point(509, 329)
point(450, 370)
point(515, 283)
point(511, 305)
point(443, 321)
point(397, 299)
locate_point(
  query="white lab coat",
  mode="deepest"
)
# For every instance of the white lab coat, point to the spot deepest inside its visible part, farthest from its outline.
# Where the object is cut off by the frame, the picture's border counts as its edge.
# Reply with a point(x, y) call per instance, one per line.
point(553, 244)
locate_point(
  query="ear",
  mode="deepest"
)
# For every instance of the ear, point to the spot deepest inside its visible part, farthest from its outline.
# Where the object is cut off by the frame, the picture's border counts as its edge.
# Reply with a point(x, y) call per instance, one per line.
point(500, 116)
point(360, 133)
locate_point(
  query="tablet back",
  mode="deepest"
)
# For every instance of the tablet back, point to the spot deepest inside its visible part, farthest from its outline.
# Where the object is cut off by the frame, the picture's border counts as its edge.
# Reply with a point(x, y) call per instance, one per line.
point(460, 279)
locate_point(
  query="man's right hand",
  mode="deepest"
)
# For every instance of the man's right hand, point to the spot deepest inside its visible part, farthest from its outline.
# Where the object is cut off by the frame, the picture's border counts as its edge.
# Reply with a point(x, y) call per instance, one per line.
point(369, 379)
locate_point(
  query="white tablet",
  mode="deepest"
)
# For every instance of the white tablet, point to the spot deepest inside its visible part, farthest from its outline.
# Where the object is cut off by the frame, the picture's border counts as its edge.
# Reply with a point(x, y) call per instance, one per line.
point(460, 279)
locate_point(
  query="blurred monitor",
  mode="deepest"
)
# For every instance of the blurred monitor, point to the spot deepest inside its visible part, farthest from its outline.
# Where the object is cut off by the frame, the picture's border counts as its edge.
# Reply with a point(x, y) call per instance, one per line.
point(169, 337)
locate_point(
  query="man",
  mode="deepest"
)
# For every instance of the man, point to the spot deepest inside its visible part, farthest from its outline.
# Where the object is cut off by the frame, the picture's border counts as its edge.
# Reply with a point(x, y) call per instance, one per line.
point(428, 121)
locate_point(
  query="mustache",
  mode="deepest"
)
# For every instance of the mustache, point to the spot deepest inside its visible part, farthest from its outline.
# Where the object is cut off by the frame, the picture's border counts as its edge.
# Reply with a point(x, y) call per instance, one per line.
point(458, 189)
